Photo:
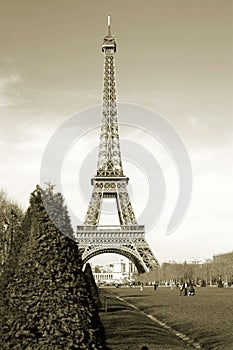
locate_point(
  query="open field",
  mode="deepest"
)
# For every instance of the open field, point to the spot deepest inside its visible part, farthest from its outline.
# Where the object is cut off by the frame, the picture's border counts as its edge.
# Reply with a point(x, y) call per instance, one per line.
point(126, 328)
point(206, 318)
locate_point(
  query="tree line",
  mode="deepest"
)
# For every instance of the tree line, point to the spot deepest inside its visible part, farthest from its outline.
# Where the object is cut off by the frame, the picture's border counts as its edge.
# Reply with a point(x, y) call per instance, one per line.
point(217, 271)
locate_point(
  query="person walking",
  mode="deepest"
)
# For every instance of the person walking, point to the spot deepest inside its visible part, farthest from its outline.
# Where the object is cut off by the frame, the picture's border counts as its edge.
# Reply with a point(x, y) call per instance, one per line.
point(185, 288)
point(181, 289)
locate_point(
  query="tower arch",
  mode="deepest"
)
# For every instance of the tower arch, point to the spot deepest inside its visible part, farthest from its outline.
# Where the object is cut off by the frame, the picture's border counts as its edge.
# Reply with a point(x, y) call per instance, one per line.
point(123, 251)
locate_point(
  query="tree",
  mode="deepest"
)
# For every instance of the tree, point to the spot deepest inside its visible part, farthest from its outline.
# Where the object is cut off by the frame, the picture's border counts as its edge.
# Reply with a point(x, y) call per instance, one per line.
point(11, 216)
point(47, 304)
point(92, 285)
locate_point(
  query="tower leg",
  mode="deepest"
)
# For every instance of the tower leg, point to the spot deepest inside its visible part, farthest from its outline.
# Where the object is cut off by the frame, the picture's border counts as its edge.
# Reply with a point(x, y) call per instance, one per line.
point(125, 206)
point(93, 212)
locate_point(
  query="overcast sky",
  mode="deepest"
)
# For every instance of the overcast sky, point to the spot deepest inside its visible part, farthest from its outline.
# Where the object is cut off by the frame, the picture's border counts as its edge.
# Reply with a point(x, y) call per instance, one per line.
point(174, 57)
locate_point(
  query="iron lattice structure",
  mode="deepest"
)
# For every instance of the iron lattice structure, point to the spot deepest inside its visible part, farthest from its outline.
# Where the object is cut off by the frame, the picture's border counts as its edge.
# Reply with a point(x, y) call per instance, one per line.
point(127, 238)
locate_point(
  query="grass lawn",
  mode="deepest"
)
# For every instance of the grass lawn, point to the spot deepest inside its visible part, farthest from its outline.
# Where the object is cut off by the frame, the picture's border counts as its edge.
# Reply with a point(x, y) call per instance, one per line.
point(127, 329)
point(207, 318)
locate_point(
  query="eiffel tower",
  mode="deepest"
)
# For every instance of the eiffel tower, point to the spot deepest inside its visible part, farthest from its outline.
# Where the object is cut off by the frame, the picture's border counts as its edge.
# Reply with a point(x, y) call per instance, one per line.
point(127, 238)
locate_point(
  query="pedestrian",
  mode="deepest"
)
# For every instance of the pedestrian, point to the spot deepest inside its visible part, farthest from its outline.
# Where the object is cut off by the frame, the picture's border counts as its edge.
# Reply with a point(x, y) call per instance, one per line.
point(185, 288)
point(191, 290)
point(155, 286)
point(181, 289)
point(141, 287)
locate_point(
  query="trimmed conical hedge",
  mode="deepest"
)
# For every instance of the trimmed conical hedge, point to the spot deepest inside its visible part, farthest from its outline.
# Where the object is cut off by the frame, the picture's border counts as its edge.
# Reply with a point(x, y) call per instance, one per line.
point(47, 303)
point(92, 285)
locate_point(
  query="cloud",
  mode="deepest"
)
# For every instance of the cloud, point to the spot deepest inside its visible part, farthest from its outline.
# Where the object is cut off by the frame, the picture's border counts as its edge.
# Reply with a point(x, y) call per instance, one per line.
point(8, 89)
point(9, 80)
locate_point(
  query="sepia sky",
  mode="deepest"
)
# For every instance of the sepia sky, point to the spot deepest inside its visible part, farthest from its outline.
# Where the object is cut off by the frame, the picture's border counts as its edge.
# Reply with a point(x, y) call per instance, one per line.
point(173, 56)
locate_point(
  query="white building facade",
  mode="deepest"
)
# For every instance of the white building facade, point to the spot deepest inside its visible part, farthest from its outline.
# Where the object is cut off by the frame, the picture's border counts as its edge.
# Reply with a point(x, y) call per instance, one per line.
point(119, 272)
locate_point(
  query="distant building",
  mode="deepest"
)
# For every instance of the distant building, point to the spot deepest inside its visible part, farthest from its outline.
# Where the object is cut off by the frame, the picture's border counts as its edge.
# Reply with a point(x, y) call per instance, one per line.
point(121, 271)
point(223, 267)
point(224, 257)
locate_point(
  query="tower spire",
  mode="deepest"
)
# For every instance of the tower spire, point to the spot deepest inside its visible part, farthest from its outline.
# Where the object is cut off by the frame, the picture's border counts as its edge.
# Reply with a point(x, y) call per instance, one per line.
point(109, 161)
point(109, 25)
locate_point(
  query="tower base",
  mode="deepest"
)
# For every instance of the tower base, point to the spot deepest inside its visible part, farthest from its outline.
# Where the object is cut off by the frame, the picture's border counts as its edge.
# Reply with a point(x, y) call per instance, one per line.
point(127, 240)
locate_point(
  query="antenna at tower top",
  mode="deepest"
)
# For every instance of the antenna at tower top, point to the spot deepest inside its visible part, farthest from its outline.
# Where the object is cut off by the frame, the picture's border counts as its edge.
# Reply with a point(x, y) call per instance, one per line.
point(109, 23)
point(109, 44)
